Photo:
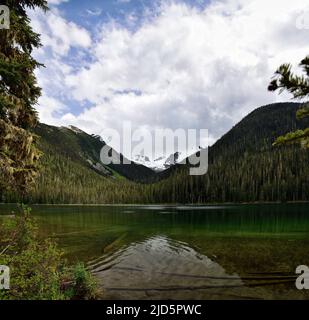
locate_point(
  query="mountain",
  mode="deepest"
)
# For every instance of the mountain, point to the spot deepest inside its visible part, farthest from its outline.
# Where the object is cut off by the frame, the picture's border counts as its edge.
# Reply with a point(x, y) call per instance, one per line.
point(159, 164)
point(71, 171)
point(244, 166)
point(82, 148)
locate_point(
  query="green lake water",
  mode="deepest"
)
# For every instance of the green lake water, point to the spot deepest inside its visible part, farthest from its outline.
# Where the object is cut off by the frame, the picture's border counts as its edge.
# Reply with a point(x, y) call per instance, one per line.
point(184, 252)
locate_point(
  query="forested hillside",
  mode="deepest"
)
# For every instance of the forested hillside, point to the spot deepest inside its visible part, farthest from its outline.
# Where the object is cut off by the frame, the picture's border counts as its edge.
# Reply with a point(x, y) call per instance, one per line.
point(82, 148)
point(243, 167)
point(71, 171)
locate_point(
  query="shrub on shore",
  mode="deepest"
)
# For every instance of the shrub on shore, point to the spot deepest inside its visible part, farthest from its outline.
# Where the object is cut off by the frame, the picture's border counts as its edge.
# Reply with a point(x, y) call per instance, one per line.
point(38, 270)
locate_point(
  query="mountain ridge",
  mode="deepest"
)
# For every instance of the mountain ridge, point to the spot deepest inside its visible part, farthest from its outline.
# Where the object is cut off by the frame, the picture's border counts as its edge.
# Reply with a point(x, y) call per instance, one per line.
point(243, 167)
point(84, 148)
point(243, 164)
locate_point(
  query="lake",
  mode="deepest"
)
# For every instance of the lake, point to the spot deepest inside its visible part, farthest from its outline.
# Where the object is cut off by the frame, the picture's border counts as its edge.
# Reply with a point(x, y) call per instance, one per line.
point(184, 252)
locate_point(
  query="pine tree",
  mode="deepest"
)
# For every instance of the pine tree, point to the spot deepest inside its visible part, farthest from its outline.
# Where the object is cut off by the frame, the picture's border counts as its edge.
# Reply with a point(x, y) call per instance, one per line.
point(285, 79)
point(19, 93)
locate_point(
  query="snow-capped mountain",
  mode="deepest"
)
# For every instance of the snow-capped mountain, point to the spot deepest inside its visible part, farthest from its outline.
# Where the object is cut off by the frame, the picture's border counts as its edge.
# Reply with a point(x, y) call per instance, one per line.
point(159, 164)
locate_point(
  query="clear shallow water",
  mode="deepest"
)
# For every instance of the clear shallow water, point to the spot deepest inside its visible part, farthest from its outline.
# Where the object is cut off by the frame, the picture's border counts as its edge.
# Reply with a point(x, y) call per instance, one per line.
point(164, 252)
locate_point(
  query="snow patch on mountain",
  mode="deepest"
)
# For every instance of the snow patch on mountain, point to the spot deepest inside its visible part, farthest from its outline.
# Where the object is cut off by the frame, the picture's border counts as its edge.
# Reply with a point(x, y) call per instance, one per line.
point(159, 164)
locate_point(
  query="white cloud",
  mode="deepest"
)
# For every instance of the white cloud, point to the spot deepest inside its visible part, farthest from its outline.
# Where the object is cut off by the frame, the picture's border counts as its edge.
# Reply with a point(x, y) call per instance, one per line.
point(59, 34)
point(56, 2)
point(185, 67)
point(48, 108)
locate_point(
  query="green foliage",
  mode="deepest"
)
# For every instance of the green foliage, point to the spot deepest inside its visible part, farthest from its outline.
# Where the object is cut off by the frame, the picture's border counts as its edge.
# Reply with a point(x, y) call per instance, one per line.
point(84, 285)
point(37, 268)
point(285, 79)
point(300, 136)
point(18, 158)
point(19, 93)
point(35, 264)
point(303, 112)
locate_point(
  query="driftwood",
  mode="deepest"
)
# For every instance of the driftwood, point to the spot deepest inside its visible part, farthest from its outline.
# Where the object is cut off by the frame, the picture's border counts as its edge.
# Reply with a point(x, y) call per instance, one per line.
point(115, 243)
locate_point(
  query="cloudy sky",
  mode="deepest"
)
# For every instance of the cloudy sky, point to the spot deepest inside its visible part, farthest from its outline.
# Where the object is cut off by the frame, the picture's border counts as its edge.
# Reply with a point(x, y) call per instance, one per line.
point(164, 64)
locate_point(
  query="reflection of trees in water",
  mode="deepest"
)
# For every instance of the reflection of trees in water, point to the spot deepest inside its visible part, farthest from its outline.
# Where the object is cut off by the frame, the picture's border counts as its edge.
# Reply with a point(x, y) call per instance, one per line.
point(162, 267)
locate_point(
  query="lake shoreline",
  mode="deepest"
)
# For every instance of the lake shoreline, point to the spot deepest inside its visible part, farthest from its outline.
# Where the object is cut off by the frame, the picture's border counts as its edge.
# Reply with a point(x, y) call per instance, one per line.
point(159, 204)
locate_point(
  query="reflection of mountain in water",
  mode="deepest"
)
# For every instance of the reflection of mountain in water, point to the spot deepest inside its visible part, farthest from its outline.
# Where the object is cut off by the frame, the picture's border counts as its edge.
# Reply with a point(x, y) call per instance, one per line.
point(161, 268)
